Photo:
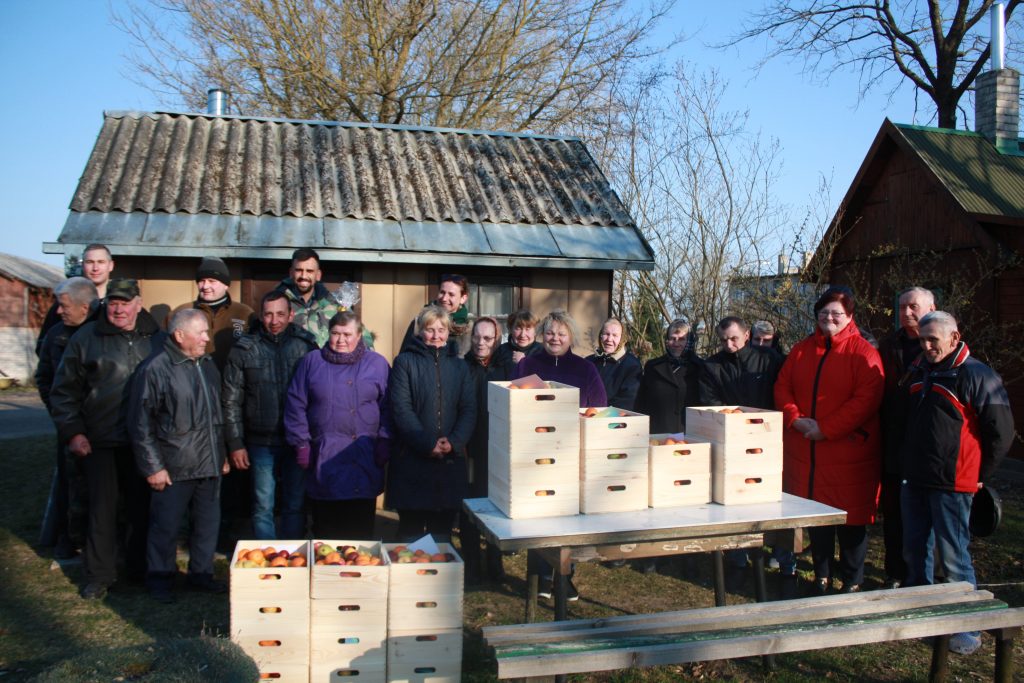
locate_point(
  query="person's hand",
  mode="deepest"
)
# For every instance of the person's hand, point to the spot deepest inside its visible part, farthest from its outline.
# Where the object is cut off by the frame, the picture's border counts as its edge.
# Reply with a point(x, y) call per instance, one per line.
point(240, 459)
point(815, 433)
point(79, 446)
point(159, 481)
point(445, 444)
point(225, 468)
point(302, 456)
point(437, 451)
point(804, 424)
point(517, 356)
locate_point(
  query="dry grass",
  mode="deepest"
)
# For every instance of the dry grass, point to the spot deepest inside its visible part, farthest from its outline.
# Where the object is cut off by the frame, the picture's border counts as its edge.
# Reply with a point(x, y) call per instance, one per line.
point(43, 622)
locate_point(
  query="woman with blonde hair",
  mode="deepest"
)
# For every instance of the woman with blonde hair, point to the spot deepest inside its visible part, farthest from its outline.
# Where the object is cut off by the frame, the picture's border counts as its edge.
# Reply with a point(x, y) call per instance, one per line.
point(620, 370)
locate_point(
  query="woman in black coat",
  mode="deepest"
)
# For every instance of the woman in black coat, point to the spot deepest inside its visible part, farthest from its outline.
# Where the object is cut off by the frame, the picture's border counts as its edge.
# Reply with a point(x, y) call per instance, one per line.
point(620, 370)
point(433, 405)
point(670, 383)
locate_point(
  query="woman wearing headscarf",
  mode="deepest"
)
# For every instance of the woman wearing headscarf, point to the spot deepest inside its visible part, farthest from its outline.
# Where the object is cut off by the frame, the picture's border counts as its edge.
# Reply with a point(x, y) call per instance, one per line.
point(829, 391)
point(620, 370)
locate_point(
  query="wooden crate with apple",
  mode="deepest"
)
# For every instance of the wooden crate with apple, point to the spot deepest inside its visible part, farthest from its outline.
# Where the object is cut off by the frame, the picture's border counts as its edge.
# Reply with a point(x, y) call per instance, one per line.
point(349, 614)
point(536, 485)
point(282, 658)
point(425, 590)
point(425, 656)
point(253, 576)
point(536, 434)
point(348, 568)
point(348, 654)
point(733, 423)
point(613, 494)
point(604, 428)
point(679, 472)
point(614, 462)
point(746, 487)
point(763, 455)
point(679, 489)
point(528, 398)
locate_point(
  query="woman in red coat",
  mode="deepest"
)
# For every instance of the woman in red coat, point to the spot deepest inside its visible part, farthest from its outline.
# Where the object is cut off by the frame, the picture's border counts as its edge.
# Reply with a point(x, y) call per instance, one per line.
point(829, 391)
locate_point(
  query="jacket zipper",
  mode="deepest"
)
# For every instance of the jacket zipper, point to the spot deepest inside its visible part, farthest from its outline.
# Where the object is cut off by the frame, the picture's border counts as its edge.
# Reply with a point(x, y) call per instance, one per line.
point(209, 417)
point(440, 393)
point(814, 410)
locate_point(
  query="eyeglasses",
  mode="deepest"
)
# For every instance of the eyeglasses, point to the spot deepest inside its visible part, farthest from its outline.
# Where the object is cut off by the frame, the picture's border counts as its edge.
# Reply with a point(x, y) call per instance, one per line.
point(835, 315)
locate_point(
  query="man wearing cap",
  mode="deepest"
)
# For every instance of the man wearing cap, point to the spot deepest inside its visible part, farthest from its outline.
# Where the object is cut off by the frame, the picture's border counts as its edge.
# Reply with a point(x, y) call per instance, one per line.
point(88, 404)
point(228, 320)
point(959, 427)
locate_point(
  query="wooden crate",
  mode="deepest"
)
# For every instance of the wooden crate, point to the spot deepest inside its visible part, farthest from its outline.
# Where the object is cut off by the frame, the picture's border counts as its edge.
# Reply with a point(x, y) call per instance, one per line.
point(683, 489)
point(526, 500)
point(533, 433)
point(417, 656)
point(747, 455)
point(628, 430)
point(529, 468)
point(693, 457)
point(709, 424)
point(613, 494)
point(350, 581)
point(269, 617)
point(270, 583)
point(345, 656)
point(507, 404)
point(426, 595)
point(279, 672)
point(347, 614)
point(280, 651)
point(613, 462)
point(742, 488)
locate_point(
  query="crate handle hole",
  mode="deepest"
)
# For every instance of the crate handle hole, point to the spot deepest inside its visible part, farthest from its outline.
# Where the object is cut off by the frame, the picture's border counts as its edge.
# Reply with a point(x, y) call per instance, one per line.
point(755, 421)
point(269, 675)
point(270, 577)
point(270, 643)
point(348, 608)
point(752, 480)
point(270, 610)
point(682, 482)
point(348, 641)
point(617, 487)
point(618, 456)
point(755, 451)
point(544, 430)
point(350, 575)
point(681, 452)
point(425, 669)
point(616, 425)
point(545, 461)
point(544, 492)
point(426, 572)
point(426, 605)
point(425, 639)
point(346, 672)
point(544, 397)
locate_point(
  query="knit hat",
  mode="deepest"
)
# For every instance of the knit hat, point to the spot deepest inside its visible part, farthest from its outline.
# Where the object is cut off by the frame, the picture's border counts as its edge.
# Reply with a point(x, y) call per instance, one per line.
point(213, 267)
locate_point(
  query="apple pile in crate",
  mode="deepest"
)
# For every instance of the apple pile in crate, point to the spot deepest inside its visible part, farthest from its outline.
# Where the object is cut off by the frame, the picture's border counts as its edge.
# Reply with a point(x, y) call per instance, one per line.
point(269, 604)
point(613, 460)
point(533, 449)
point(746, 451)
point(351, 555)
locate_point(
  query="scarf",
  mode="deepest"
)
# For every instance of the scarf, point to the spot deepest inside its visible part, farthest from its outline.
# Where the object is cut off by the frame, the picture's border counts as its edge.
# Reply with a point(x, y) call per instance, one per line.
point(612, 357)
point(341, 357)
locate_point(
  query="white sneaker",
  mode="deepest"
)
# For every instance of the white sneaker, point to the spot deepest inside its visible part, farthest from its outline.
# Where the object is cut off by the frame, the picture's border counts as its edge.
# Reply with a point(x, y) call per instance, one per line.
point(964, 643)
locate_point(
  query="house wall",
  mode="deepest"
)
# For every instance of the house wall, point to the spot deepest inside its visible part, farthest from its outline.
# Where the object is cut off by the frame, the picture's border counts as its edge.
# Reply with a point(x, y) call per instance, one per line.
point(22, 310)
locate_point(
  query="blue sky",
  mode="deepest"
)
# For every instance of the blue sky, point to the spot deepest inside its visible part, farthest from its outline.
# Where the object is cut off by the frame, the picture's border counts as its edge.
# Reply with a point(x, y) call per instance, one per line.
point(62, 63)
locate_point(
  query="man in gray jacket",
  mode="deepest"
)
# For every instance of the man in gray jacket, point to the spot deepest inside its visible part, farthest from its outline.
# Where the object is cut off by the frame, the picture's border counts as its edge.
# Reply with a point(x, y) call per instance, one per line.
point(177, 432)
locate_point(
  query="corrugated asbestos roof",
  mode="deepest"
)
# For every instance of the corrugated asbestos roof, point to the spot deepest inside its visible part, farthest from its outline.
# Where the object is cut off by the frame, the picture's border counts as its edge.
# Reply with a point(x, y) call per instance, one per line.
point(31, 272)
point(982, 180)
point(176, 183)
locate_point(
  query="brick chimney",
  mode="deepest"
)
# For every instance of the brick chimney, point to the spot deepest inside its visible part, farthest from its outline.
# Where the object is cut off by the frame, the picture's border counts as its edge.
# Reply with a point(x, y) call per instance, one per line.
point(997, 94)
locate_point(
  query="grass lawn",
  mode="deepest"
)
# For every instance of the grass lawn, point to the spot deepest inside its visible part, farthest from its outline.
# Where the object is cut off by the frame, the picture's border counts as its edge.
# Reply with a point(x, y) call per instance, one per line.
point(43, 622)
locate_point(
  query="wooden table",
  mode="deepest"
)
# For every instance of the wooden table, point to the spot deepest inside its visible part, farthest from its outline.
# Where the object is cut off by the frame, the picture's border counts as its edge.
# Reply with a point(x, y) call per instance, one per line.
point(653, 532)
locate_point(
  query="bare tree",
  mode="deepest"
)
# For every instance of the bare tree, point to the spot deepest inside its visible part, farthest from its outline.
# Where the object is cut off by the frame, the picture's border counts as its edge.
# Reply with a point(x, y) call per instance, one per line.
point(939, 47)
point(498, 64)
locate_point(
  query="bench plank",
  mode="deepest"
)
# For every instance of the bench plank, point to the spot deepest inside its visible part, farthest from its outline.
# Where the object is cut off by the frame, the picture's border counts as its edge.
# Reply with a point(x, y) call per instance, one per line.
point(545, 659)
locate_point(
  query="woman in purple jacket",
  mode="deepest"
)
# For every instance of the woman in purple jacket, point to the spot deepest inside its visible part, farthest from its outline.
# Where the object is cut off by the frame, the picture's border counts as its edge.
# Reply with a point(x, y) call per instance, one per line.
point(337, 419)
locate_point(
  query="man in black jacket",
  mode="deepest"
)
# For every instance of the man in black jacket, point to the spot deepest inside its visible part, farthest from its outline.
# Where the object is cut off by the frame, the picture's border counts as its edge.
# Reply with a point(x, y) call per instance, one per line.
point(88, 404)
point(177, 430)
point(898, 351)
point(256, 378)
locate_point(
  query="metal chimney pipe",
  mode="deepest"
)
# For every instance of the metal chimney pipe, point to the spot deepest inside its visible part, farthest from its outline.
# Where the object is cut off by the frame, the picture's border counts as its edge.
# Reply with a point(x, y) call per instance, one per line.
point(215, 101)
point(998, 36)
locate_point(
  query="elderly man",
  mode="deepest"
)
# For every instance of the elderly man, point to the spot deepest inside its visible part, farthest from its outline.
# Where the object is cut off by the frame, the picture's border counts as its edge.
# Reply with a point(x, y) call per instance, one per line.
point(88, 404)
point(76, 303)
point(177, 432)
point(959, 427)
point(256, 379)
point(898, 351)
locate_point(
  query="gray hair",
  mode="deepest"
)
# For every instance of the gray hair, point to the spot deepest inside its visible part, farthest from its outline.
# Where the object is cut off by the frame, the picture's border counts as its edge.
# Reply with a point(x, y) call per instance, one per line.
point(763, 327)
point(79, 289)
point(945, 321)
point(926, 294)
point(184, 318)
point(431, 314)
point(563, 318)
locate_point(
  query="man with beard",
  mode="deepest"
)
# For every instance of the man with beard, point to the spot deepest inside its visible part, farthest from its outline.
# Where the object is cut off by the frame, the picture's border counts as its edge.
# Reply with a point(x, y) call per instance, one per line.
point(314, 306)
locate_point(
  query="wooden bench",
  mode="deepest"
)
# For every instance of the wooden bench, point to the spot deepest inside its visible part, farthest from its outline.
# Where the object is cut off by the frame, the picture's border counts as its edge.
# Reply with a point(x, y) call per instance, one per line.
point(542, 650)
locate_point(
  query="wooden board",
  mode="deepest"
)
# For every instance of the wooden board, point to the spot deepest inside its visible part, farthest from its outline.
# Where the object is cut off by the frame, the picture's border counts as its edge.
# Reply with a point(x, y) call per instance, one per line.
point(274, 583)
point(342, 614)
point(427, 656)
point(613, 494)
point(748, 455)
point(614, 462)
point(746, 488)
point(535, 433)
point(707, 422)
point(557, 401)
point(269, 617)
point(553, 497)
point(348, 581)
point(673, 490)
point(627, 430)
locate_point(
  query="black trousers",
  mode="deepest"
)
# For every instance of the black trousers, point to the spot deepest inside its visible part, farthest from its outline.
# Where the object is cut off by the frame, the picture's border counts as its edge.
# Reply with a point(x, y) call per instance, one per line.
point(344, 520)
point(892, 527)
point(853, 549)
point(413, 524)
point(201, 499)
point(113, 481)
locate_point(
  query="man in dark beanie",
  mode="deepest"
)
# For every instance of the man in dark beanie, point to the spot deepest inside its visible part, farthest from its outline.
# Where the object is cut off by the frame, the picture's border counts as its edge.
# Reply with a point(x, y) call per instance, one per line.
point(228, 320)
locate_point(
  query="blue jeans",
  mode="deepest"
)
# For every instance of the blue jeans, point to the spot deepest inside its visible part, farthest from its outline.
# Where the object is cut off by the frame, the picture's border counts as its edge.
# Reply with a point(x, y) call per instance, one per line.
point(267, 464)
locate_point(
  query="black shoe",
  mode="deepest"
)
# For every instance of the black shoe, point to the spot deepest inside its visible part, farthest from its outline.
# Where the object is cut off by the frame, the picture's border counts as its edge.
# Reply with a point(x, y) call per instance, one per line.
point(850, 588)
point(571, 594)
point(789, 587)
point(821, 586)
point(544, 588)
point(891, 583)
point(207, 585)
point(94, 591)
point(162, 594)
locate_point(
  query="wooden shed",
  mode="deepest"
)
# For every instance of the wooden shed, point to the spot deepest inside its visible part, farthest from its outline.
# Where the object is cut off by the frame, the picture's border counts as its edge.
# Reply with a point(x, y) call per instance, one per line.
point(26, 294)
point(531, 220)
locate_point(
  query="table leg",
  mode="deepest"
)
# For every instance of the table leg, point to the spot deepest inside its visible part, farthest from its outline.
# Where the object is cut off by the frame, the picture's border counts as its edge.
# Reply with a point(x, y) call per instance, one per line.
point(562, 572)
point(940, 659)
point(718, 561)
point(531, 597)
point(1004, 653)
point(767, 661)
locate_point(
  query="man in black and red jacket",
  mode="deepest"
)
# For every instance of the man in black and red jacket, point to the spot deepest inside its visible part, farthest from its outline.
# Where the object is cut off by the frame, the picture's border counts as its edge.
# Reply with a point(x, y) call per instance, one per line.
point(959, 427)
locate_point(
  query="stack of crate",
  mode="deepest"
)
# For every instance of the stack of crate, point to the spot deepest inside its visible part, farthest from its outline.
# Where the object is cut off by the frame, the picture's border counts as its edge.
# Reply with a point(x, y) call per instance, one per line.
point(270, 613)
point(613, 462)
point(533, 450)
point(425, 620)
point(680, 471)
point(746, 451)
point(348, 618)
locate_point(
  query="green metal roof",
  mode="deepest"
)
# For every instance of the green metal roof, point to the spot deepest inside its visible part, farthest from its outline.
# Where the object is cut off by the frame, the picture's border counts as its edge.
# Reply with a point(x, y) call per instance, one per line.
point(982, 180)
